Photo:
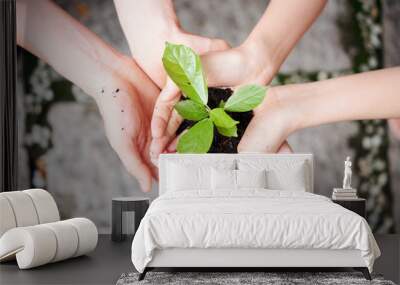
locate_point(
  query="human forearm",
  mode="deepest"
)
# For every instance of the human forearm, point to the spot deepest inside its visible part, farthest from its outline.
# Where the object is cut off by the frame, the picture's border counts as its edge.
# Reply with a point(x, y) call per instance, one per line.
point(74, 51)
point(290, 108)
point(134, 19)
point(370, 95)
point(282, 25)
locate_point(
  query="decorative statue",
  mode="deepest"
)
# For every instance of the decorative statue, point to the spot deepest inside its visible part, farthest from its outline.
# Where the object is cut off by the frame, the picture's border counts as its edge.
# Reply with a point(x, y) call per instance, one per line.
point(347, 174)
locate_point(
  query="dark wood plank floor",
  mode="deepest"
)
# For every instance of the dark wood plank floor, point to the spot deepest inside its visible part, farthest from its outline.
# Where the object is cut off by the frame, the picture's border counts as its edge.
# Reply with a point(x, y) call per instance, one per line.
point(110, 260)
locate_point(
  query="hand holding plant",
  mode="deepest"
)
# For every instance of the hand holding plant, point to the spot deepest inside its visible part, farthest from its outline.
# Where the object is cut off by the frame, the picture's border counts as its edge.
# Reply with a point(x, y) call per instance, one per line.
point(184, 68)
point(148, 25)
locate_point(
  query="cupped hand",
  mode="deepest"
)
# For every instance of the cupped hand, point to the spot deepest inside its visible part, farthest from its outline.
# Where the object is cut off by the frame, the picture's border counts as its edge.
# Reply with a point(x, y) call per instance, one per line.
point(269, 128)
point(231, 67)
point(148, 25)
point(126, 103)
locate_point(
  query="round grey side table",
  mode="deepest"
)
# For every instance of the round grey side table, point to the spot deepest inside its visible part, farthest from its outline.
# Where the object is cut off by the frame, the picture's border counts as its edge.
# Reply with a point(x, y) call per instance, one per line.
point(127, 212)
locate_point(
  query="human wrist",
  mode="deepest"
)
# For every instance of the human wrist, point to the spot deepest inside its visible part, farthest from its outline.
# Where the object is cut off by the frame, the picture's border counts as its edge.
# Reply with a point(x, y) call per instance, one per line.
point(300, 105)
point(263, 66)
point(283, 108)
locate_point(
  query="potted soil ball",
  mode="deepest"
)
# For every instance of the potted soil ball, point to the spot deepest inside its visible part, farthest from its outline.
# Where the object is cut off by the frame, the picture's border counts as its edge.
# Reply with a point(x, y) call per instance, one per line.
point(215, 119)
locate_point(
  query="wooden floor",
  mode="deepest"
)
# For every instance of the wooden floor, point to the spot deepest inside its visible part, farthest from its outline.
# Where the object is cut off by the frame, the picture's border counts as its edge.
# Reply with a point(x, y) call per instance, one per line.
point(110, 260)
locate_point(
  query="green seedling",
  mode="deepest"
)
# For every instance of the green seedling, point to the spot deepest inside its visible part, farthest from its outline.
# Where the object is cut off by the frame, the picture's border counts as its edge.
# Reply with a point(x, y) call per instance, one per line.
point(184, 67)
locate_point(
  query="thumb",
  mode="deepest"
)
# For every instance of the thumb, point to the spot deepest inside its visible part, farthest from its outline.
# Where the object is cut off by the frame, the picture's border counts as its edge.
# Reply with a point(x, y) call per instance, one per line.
point(260, 137)
point(203, 45)
point(164, 105)
point(223, 68)
point(136, 166)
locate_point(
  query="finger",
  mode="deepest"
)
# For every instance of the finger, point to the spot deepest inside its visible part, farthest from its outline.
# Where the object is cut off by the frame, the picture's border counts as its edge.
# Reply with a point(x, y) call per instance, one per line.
point(174, 143)
point(163, 108)
point(158, 146)
point(223, 68)
point(202, 45)
point(218, 45)
point(258, 139)
point(173, 124)
point(136, 166)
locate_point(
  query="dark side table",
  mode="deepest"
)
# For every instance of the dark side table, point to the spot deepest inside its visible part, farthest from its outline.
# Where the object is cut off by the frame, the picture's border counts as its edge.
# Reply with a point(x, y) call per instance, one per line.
point(127, 212)
point(357, 205)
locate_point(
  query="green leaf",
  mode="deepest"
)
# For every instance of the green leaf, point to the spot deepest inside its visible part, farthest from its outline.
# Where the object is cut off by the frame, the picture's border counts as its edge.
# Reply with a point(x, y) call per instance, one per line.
point(228, 132)
point(246, 98)
point(222, 119)
point(191, 110)
point(183, 66)
point(197, 139)
point(221, 104)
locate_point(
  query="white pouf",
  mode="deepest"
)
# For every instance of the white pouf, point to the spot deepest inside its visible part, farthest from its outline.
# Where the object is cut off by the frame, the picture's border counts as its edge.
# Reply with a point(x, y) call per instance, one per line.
point(32, 233)
point(23, 208)
point(7, 219)
point(37, 245)
point(46, 207)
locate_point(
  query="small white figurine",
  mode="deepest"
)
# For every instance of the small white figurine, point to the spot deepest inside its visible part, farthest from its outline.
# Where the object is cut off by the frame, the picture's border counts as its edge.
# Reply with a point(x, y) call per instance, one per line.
point(347, 174)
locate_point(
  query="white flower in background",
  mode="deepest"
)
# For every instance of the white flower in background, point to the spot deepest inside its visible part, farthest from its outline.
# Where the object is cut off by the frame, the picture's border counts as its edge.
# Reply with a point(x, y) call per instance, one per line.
point(365, 167)
point(79, 94)
point(366, 143)
point(40, 82)
point(379, 165)
point(368, 22)
point(373, 62)
point(295, 78)
point(29, 101)
point(375, 190)
point(376, 29)
point(367, 5)
point(374, 39)
point(382, 179)
point(364, 67)
point(322, 75)
point(39, 135)
point(48, 95)
point(376, 141)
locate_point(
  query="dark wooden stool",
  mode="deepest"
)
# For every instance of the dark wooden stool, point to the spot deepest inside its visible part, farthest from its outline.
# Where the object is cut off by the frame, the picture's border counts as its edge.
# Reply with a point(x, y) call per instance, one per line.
point(126, 207)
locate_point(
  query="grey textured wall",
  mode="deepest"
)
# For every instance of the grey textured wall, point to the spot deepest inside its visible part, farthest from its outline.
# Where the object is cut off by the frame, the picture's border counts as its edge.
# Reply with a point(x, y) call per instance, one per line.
point(84, 173)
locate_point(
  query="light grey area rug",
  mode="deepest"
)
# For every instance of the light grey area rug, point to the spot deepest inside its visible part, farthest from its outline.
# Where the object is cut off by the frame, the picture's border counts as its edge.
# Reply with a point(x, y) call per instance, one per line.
point(268, 278)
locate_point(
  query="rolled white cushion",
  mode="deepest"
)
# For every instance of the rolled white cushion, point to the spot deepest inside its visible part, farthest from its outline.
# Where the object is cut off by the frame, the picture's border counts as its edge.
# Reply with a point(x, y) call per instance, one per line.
point(7, 218)
point(87, 234)
point(23, 208)
point(33, 246)
point(67, 240)
point(40, 244)
point(45, 205)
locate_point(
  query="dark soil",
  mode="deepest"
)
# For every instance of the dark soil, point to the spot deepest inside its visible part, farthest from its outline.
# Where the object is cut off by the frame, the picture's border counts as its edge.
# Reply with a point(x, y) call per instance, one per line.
point(222, 144)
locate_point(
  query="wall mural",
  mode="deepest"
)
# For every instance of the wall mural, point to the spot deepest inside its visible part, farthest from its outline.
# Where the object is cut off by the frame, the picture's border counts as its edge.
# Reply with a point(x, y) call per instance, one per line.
point(370, 143)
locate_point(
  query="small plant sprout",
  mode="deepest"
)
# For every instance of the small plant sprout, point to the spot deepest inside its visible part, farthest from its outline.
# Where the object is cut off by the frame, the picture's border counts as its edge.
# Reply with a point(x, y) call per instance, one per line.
point(184, 67)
